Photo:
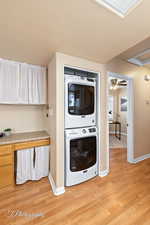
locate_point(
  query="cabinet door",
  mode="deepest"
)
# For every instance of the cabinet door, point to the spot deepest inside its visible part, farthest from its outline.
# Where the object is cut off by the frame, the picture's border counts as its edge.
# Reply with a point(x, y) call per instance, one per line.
point(37, 85)
point(6, 166)
point(6, 160)
point(9, 82)
point(24, 84)
point(6, 175)
point(33, 84)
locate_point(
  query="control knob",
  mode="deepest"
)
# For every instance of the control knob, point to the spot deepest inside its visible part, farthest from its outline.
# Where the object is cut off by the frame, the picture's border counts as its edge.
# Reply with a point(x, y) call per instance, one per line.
point(84, 131)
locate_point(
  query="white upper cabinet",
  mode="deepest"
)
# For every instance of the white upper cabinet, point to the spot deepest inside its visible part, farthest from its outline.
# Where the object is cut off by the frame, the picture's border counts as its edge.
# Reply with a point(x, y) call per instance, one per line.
point(33, 84)
point(24, 84)
point(37, 85)
point(9, 82)
point(21, 83)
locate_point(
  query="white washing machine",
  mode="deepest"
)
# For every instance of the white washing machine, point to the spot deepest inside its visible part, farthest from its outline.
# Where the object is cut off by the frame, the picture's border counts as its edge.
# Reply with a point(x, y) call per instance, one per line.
point(81, 162)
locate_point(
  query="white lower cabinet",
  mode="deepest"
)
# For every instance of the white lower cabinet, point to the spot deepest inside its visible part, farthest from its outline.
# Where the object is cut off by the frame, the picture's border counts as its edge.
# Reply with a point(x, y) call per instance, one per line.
point(32, 164)
point(41, 166)
point(24, 165)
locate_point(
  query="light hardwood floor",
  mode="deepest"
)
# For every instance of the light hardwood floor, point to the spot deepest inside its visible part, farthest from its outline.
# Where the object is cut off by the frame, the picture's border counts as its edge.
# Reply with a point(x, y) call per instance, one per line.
point(121, 198)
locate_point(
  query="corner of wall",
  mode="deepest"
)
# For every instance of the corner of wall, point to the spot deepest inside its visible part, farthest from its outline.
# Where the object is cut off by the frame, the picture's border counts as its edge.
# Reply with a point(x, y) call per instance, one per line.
point(56, 191)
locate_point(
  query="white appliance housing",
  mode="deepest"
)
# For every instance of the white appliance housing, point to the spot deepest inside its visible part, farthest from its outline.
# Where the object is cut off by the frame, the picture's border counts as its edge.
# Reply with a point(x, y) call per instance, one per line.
point(81, 162)
point(80, 95)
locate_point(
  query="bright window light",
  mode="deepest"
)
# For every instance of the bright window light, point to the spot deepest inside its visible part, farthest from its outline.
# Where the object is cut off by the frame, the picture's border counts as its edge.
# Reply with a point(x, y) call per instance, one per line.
point(120, 7)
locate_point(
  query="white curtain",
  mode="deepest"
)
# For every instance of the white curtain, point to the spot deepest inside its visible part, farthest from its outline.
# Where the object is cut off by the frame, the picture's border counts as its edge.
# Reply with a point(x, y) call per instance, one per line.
point(32, 164)
point(37, 84)
point(24, 84)
point(9, 82)
point(41, 163)
point(24, 165)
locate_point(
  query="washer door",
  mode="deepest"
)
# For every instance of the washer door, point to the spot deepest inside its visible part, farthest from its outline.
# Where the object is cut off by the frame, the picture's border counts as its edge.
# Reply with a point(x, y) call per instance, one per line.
point(82, 153)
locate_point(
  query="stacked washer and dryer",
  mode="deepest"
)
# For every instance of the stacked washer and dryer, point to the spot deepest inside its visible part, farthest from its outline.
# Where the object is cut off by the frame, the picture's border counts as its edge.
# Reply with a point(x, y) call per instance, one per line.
point(81, 136)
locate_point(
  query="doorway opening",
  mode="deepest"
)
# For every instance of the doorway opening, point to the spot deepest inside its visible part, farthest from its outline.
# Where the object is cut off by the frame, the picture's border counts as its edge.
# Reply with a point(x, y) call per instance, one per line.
point(120, 115)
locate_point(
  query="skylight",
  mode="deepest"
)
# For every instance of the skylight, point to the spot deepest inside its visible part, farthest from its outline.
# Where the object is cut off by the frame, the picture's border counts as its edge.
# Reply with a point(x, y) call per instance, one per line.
point(120, 7)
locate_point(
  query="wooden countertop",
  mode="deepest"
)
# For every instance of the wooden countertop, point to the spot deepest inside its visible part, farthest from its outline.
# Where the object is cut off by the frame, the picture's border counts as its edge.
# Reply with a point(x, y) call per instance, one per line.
point(24, 137)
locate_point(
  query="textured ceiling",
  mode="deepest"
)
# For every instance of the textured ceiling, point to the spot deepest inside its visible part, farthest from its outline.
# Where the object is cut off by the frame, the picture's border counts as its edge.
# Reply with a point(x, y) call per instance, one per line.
point(32, 30)
point(148, 66)
point(138, 49)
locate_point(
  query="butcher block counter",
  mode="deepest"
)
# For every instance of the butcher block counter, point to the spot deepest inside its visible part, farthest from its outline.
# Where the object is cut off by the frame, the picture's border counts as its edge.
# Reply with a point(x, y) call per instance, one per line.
point(8, 146)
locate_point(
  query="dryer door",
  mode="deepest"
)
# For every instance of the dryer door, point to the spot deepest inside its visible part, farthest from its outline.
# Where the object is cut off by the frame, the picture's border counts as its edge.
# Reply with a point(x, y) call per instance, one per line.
point(80, 99)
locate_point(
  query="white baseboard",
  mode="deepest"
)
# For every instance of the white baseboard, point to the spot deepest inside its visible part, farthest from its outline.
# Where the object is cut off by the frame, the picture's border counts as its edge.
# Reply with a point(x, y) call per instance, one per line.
point(104, 173)
point(56, 190)
point(141, 158)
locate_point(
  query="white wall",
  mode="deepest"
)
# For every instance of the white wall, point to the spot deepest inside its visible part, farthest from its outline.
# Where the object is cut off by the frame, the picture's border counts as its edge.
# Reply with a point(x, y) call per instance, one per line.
point(22, 118)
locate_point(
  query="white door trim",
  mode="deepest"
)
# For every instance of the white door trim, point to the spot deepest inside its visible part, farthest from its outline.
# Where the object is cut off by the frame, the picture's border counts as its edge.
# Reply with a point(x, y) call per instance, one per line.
point(130, 113)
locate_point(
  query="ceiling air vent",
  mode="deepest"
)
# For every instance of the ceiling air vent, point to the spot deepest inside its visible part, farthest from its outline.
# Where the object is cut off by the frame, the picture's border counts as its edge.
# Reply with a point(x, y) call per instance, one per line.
point(120, 7)
point(141, 59)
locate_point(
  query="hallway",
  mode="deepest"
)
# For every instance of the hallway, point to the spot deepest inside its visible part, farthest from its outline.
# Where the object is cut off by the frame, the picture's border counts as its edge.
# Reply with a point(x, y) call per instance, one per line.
point(116, 143)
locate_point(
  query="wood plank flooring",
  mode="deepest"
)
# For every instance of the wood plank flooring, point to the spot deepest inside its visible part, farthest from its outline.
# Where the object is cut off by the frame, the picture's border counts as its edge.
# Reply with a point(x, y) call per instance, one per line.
point(121, 198)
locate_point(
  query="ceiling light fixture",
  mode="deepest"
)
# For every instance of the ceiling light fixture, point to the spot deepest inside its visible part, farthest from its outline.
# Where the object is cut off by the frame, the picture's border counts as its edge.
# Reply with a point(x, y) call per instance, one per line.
point(147, 77)
point(120, 7)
